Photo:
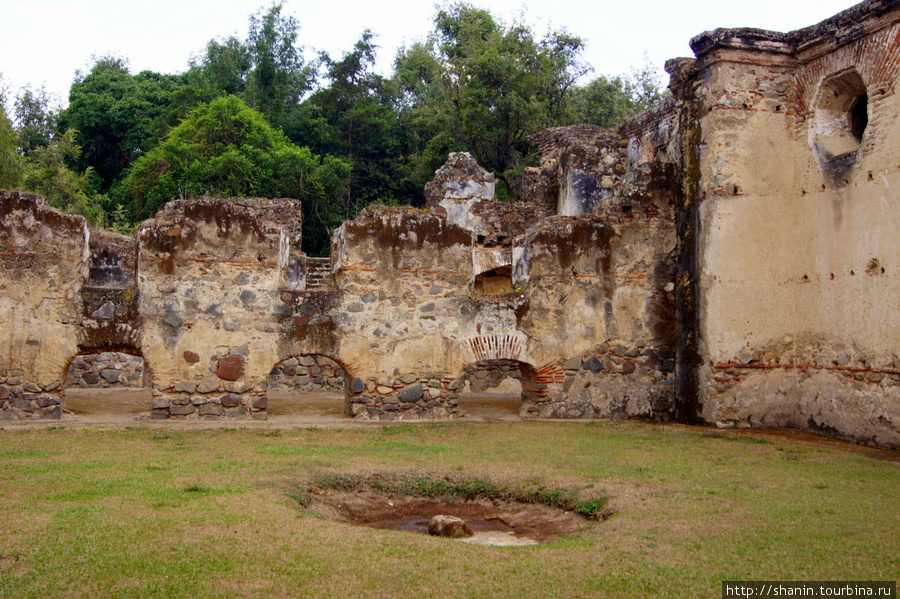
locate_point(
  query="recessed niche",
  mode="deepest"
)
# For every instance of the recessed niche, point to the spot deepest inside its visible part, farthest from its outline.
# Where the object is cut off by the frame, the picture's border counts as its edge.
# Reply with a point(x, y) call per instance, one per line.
point(841, 119)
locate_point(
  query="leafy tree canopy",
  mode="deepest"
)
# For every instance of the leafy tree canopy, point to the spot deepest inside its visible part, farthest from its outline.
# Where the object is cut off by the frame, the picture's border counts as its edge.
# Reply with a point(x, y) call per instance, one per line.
point(46, 173)
point(483, 86)
point(354, 117)
point(116, 115)
point(35, 116)
point(10, 160)
point(267, 70)
point(226, 149)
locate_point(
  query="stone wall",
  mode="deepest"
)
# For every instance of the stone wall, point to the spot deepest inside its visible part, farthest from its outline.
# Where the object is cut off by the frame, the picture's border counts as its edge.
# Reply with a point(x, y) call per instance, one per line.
point(211, 275)
point(728, 257)
point(308, 373)
point(106, 370)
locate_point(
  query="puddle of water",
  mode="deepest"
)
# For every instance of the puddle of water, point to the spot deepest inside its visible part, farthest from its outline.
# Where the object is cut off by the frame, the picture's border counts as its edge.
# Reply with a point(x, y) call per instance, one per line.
point(491, 531)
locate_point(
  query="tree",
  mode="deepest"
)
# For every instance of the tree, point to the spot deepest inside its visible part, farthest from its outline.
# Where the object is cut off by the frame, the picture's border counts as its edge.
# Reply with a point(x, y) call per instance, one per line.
point(35, 119)
point(354, 118)
point(116, 116)
point(224, 66)
point(46, 173)
point(482, 86)
point(604, 102)
point(278, 77)
point(10, 160)
point(226, 149)
point(607, 101)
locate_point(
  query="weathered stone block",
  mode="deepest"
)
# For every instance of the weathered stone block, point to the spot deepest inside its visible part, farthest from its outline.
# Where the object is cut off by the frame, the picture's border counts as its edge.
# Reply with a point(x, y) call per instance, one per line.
point(173, 320)
point(208, 409)
point(229, 368)
point(176, 410)
point(161, 403)
point(208, 385)
point(185, 387)
point(111, 376)
point(411, 393)
point(450, 527)
point(238, 386)
point(230, 400)
point(572, 364)
point(593, 364)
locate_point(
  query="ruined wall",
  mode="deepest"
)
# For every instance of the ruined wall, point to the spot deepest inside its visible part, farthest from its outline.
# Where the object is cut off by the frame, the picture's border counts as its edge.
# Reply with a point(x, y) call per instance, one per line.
point(583, 305)
point(729, 256)
point(43, 254)
point(211, 275)
point(795, 199)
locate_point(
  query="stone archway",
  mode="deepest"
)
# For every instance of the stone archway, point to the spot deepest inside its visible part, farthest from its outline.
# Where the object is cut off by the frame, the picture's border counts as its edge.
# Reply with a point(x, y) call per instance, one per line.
point(112, 383)
point(311, 385)
point(498, 382)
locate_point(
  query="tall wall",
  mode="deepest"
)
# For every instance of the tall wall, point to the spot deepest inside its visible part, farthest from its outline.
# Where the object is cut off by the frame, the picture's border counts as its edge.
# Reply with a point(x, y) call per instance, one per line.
point(43, 254)
point(795, 206)
point(210, 280)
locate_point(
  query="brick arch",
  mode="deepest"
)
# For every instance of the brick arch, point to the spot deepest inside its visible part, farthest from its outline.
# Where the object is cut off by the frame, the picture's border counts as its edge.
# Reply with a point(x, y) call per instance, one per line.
point(507, 346)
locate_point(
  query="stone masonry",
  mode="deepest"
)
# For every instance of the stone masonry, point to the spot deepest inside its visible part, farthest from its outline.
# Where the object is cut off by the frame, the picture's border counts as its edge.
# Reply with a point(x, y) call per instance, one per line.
point(726, 257)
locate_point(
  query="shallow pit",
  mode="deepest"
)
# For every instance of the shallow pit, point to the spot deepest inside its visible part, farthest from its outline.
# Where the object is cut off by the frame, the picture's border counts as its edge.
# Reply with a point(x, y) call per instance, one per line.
point(494, 522)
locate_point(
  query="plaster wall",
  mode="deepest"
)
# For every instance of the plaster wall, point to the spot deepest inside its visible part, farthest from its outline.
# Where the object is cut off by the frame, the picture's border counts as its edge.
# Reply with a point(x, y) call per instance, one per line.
point(44, 256)
point(798, 272)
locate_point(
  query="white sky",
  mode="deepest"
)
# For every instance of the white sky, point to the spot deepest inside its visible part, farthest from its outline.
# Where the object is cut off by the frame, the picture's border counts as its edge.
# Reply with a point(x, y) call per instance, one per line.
point(45, 41)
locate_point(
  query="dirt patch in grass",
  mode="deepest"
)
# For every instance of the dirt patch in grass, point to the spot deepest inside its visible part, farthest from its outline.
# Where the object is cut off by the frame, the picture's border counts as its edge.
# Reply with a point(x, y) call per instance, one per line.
point(499, 514)
point(523, 521)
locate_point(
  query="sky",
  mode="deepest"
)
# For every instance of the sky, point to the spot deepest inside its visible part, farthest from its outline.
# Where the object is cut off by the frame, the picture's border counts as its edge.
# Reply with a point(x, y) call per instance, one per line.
point(45, 42)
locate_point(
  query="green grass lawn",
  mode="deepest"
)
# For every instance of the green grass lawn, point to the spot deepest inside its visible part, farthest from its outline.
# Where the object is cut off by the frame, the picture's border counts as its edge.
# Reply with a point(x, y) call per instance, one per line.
point(111, 512)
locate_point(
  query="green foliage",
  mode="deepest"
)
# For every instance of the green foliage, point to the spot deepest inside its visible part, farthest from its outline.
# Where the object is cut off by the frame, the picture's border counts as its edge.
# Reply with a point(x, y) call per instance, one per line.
point(224, 66)
point(607, 101)
point(482, 86)
point(354, 118)
point(474, 84)
point(278, 77)
point(35, 118)
point(46, 173)
point(226, 149)
point(593, 509)
point(10, 160)
point(454, 489)
point(116, 116)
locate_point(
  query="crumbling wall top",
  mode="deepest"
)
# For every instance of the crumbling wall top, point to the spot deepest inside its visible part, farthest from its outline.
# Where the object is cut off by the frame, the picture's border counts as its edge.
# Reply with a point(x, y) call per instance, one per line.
point(841, 29)
point(28, 225)
point(201, 225)
point(460, 178)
